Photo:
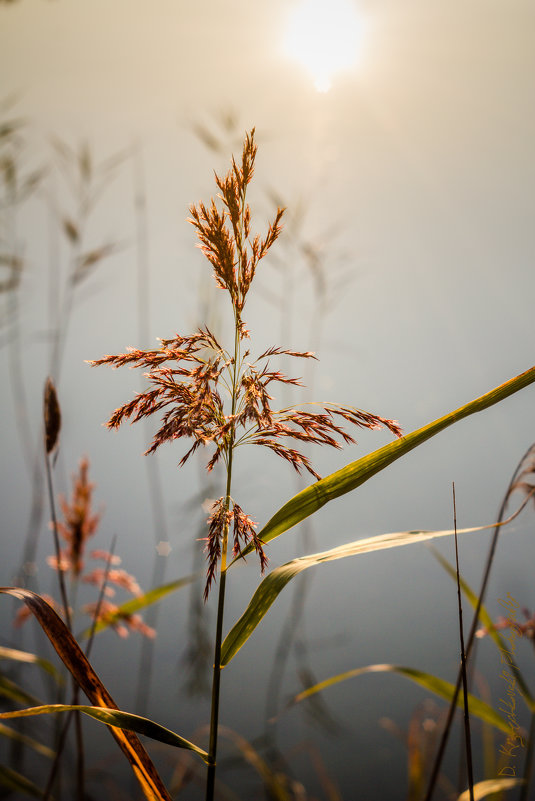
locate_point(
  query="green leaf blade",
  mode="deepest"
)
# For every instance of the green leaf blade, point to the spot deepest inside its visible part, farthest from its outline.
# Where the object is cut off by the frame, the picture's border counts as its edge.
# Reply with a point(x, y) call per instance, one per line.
point(31, 659)
point(85, 676)
point(135, 605)
point(444, 689)
point(488, 623)
point(117, 719)
point(273, 584)
point(348, 478)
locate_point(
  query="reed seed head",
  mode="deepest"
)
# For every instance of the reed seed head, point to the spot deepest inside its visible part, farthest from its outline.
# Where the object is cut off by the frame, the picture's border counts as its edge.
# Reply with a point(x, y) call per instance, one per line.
point(221, 400)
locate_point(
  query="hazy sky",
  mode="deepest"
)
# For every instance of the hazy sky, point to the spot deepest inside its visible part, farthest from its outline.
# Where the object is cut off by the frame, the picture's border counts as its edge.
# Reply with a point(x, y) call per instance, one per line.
point(414, 176)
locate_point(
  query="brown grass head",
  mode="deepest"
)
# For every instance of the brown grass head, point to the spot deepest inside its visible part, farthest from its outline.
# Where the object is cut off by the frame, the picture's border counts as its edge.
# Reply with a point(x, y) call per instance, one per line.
point(52, 416)
point(191, 377)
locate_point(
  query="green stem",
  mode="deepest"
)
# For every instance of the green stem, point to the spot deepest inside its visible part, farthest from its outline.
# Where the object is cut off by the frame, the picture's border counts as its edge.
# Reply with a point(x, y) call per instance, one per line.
point(216, 679)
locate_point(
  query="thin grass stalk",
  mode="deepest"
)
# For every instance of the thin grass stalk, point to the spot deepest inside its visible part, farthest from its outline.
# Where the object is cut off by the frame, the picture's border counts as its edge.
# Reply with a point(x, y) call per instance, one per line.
point(75, 699)
point(65, 602)
point(156, 496)
point(530, 750)
point(468, 738)
point(471, 638)
point(56, 354)
point(13, 196)
point(216, 680)
point(216, 677)
point(62, 310)
point(199, 648)
point(528, 762)
point(61, 577)
point(52, 426)
point(100, 598)
point(194, 409)
point(32, 457)
point(76, 694)
point(15, 354)
point(17, 188)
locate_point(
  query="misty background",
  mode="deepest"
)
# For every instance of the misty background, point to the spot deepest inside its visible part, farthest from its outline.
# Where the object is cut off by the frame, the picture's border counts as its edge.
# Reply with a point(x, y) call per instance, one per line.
point(406, 264)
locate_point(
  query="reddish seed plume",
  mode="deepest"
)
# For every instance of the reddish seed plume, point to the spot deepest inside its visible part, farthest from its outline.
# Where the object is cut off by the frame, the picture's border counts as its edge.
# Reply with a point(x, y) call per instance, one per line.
point(189, 376)
point(79, 522)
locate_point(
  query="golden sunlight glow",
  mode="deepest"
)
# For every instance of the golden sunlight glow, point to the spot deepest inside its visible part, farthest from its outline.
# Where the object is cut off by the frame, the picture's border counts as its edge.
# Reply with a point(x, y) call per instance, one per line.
point(324, 36)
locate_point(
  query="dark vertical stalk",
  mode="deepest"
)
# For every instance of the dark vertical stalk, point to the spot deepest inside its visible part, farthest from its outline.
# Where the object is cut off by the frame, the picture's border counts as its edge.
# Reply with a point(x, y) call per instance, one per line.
point(468, 739)
point(61, 577)
point(528, 762)
point(471, 637)
point(216, 678)
point(65, 602)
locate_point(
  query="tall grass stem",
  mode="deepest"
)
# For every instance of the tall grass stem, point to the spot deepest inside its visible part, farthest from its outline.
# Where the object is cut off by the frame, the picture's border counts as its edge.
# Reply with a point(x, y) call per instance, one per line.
point(468, 738)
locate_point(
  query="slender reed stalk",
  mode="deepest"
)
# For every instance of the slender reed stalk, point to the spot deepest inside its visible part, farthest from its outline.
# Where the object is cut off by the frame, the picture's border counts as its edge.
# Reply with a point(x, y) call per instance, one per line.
point(437, 762)
point(468, 739)
point(52, 425)
point(216, 680)
point(87, 181)
point(189, 390)
point(527, 773)
point(52, 418)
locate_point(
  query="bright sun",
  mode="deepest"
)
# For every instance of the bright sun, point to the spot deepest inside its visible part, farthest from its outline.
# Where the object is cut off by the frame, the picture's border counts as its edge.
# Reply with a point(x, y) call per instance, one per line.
point(324, 36)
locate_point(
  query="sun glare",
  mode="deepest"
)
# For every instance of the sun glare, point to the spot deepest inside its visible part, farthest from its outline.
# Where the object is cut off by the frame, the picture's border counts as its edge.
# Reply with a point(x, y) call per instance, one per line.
point(324, 36)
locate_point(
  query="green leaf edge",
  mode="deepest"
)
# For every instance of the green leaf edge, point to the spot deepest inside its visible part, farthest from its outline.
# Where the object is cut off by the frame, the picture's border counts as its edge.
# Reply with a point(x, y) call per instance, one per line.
point(117, 719)
point(273, 584)
point(133, 605)
point(8, 689)
point(31, 659)
point(490, 787)
point(23, 739)
point(441, 687)
point(487, 621)
point(353, 475)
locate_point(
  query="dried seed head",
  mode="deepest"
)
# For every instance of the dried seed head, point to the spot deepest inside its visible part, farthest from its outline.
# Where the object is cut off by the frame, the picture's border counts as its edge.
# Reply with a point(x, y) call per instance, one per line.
point(79, 523)
point(191, 377)
point(52, 416)
point(121, 622)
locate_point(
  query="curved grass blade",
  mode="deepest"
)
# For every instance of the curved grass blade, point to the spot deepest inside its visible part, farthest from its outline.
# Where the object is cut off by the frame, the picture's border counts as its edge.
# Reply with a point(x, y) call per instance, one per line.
point(23, 739)
point(116, 718)
point(31, 659)
point(136, 604)
point(78, 665)
point(486, 620)
point(274, 782)
point(490, 787)
point(8, 689)
point(274, 583)
point(15, 781)
point(444, 689)
point(309, 500)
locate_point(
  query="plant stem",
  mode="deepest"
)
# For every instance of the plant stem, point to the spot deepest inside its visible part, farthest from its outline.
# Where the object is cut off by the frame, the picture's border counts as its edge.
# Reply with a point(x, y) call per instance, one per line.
point(216, 680)
point(471, 637)
point(216, 683)
point(468, 739)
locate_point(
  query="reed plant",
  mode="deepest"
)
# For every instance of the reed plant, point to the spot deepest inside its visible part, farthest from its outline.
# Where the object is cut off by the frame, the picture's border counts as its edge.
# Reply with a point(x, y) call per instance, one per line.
point(221, 398)
point(218, 398)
